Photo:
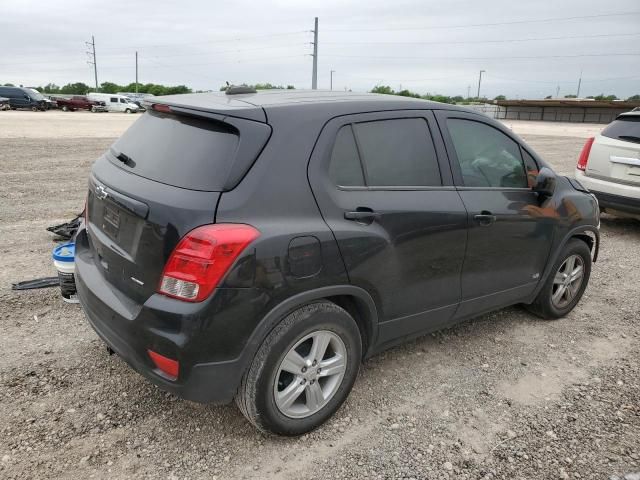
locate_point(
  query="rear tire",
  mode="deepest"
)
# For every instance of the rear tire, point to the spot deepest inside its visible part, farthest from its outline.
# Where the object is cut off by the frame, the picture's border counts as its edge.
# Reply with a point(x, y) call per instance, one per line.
point(560, 294)
point(65, 108)
point(317, 389)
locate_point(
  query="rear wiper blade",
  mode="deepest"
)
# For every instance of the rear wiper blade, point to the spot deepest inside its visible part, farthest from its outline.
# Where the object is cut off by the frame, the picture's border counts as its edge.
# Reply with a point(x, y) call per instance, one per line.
point(127, 160)
point(629, 138)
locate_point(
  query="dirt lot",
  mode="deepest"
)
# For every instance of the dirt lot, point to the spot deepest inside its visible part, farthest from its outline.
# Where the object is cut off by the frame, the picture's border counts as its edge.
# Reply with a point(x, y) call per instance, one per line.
point(503, 396)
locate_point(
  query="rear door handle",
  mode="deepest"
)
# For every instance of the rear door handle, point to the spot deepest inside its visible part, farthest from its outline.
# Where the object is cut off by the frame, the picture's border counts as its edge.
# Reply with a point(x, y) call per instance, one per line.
point(365, 215)
point(485, 218)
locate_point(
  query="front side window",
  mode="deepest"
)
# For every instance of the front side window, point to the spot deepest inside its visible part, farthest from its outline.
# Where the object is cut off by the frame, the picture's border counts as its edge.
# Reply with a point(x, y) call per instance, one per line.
point(385, 153)
point(487, 157)
point(122, 100)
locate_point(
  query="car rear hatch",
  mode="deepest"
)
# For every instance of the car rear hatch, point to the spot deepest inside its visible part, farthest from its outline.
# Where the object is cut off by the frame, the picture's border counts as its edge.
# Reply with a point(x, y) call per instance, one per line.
point(616, 152)
point(157, 182)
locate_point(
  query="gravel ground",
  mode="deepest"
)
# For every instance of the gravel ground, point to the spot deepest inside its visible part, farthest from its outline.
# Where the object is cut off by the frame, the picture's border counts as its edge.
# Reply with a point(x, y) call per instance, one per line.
point(505, 395)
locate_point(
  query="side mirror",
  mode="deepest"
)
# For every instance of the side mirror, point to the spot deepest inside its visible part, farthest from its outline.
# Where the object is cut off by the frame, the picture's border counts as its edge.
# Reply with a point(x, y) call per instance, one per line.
point(545, 182)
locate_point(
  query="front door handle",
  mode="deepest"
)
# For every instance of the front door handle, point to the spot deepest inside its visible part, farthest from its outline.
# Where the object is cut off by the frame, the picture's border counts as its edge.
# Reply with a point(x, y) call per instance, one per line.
point(362, 215)
point(485, 218)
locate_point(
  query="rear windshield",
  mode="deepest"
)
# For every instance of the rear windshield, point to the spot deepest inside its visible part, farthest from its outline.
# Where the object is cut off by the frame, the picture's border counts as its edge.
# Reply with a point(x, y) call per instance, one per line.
point(180, 151)
point(624, 128)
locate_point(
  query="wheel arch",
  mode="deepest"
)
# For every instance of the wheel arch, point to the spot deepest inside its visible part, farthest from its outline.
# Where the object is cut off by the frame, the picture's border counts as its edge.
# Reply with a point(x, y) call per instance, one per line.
point(356, 301)
point(586, 233)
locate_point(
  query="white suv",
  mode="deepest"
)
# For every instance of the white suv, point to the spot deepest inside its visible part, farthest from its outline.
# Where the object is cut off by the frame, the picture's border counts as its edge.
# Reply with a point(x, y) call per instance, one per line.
point(609, 166)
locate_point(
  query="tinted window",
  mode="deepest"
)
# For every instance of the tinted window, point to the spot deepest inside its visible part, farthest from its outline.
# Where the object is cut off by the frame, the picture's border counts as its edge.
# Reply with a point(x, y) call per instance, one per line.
point(122, 100)
point(487, 157)
point(180, 151)
point(624, 128)
point(345, 168)
point(398, 153)
point(114, 100)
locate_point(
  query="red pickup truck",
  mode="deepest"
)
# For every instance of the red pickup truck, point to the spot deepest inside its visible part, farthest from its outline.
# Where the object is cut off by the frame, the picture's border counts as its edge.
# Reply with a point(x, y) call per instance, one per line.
point(80, 102)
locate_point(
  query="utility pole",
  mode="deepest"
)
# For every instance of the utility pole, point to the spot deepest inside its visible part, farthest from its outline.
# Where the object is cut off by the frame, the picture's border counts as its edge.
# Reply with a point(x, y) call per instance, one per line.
point(331, 81)
point(558, 91)
point(579, 83)
point(93, 56)
point(314, 76)
point(468, 92)
point(136, 72)
point(479, 82)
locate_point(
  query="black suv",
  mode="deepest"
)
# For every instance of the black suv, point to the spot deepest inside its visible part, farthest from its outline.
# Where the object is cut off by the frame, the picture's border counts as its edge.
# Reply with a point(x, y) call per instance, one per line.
point(259, 246)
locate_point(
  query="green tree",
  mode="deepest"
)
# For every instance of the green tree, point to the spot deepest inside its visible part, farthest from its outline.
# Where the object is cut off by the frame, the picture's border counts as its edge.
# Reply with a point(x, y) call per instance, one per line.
point(8, 85)
point(408, 93)
point(604, 97)
point(110, 87)
point(500, 97)
point(384, 89)
point(77, 88)
point(548, 97)
point(570, 96)
point(634, 98)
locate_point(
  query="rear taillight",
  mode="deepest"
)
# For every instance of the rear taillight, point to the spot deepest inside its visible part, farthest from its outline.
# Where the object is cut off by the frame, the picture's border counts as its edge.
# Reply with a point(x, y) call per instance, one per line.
point(202, 258)
point(158, 107)
point(583, 159)
point(166, 365)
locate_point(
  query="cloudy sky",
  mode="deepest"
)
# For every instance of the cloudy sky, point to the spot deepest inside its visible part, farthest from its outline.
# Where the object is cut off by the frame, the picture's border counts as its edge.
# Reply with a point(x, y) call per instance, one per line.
point(528, 49)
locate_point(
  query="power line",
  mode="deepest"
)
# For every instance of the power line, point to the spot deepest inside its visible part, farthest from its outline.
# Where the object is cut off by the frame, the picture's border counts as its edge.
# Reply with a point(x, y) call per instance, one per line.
point(469, 25)
point(397, 57)
point(461, 42)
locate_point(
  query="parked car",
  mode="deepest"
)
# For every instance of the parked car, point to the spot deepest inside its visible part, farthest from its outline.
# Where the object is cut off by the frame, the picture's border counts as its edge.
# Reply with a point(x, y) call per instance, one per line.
point(4, 103)
point(23, 98)
point(80, 102)
point(137, 98)
point(609, 166)
point(49, 104)
point(115, 103)
point(259, 246)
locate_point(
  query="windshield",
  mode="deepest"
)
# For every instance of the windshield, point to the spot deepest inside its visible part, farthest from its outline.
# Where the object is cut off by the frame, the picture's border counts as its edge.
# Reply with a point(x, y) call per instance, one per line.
point(180, 151)
point(36, 95)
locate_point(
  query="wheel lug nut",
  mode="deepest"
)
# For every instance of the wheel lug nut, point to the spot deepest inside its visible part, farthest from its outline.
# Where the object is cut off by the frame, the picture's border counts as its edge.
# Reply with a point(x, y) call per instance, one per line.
point(304, 369)
point(303, 381)
point(314, 363)
point(319, 370)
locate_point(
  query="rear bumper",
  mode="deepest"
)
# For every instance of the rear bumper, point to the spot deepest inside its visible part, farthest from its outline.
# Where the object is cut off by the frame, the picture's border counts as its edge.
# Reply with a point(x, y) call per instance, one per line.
point(618, 203)
point(166, 326)
point(611, 195)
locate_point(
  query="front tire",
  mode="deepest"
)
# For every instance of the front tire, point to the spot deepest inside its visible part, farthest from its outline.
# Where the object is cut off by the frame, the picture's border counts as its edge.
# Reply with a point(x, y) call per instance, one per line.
point(128, 110)
point(303, 371)
point(567, 282)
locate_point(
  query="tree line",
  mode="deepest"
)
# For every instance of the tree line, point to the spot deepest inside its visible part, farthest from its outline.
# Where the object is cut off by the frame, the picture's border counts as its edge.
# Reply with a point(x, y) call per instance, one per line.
point(80, 88)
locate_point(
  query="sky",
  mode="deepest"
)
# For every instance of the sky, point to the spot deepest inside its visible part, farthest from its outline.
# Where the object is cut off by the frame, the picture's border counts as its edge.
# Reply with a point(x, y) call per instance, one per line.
point(528, 49)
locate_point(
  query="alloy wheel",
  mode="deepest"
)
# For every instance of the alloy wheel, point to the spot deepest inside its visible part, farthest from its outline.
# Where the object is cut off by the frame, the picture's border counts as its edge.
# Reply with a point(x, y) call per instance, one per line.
point(310, 374)
point(567, 281)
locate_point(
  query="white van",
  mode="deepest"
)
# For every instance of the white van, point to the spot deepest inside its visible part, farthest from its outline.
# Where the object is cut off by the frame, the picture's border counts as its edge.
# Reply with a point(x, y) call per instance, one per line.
point(114, 102)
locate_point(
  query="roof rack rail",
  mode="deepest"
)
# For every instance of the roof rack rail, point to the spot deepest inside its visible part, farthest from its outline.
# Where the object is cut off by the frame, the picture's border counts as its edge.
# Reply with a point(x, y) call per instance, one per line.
point(238, 89)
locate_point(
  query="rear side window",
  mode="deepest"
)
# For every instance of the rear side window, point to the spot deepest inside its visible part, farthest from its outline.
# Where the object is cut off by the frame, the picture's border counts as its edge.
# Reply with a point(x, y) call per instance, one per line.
point(385, 153)
point(624, 128)
point(487, 157)
point(180, 151)
point(345, 168)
